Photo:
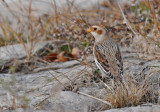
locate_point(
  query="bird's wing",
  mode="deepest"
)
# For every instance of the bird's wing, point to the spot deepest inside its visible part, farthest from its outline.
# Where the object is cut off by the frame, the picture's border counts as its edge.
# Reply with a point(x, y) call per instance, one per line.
point(101, 59)
point(110, 62)
point(102, 62)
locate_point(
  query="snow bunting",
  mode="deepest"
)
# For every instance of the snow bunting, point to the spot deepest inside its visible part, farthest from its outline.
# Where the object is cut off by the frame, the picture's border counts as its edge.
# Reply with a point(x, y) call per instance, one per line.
point(106, 53)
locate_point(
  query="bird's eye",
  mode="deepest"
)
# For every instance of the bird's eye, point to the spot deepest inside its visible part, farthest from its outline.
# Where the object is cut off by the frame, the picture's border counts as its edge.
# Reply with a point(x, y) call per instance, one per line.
point(94, 29)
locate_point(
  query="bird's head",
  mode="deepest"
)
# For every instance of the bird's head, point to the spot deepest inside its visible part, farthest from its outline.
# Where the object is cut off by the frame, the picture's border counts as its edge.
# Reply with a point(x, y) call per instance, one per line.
point(98, 32)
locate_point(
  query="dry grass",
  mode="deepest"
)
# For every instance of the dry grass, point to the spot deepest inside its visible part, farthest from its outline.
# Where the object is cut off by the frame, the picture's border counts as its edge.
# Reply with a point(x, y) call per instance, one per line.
point(147, 41)
point(134, 93)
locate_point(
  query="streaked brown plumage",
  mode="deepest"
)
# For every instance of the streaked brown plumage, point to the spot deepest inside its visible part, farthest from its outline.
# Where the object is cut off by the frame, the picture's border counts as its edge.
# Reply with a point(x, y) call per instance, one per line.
point(106, 53)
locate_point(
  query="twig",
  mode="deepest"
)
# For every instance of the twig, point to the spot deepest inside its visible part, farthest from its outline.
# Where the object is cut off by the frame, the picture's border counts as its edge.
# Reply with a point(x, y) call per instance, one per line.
point(56, 14)
point(125, 20)
point(57, 79)
point(75, 78)
point(53, 67)
point(106, 102)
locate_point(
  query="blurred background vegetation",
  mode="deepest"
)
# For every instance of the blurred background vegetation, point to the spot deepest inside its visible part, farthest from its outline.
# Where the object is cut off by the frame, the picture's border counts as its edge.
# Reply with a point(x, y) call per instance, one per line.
point(138, 27)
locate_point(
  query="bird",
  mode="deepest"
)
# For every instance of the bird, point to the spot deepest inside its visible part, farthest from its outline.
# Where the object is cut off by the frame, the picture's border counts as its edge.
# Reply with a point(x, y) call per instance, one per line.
point(106, 53)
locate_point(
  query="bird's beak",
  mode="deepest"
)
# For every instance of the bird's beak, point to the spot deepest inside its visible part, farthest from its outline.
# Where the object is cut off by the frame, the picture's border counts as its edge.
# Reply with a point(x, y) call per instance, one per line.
point(89, 30)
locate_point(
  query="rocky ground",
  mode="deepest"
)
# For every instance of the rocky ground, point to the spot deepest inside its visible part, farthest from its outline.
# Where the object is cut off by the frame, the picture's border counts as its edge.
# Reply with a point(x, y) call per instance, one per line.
point(40, 91)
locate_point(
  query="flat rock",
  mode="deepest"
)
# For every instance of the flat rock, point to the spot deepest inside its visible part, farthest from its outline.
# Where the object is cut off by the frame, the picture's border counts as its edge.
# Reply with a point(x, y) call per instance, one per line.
point(40, 86)
point(143, 108)
point(71, 102)
point(17, 51)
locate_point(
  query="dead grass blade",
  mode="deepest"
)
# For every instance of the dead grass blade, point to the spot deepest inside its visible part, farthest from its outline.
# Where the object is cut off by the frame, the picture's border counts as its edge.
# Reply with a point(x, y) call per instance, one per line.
point(126, 21)
point(57, 79)
point(106, 102)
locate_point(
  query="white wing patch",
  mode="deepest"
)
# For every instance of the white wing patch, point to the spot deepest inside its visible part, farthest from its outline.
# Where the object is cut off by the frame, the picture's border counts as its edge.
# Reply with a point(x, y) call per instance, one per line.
point(101, 68)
